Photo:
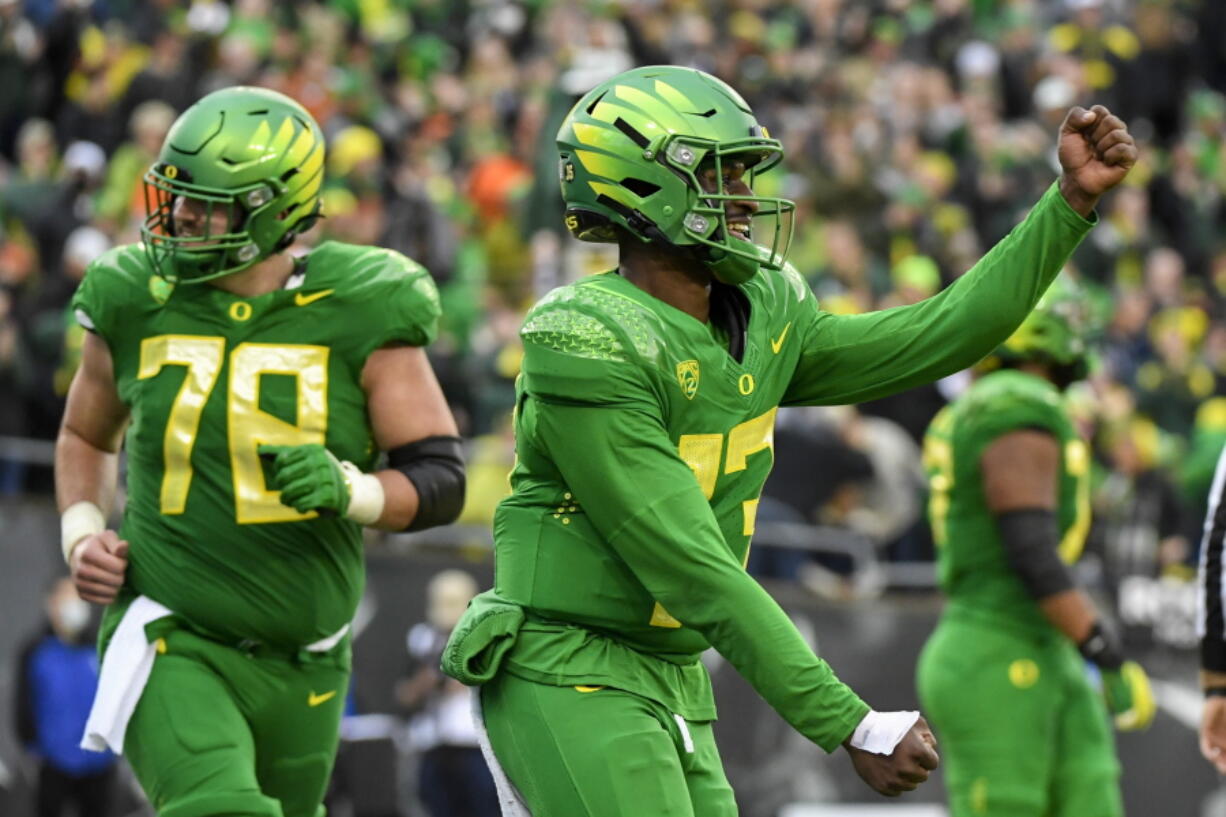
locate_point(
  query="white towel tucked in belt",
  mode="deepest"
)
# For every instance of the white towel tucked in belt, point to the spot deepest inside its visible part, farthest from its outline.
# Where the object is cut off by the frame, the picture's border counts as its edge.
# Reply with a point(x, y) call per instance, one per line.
point(125, 669)
point(509, 798)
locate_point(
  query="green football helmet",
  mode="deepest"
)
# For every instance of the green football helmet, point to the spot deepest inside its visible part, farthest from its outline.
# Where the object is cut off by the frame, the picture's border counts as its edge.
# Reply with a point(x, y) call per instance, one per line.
point(252, 154)
point(1057, 332)
point(630, 154)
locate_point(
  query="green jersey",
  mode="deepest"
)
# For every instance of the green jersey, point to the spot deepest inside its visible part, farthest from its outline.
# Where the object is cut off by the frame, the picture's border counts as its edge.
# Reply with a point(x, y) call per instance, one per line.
point(971, 559)
point(207, 377)
point(643, 445)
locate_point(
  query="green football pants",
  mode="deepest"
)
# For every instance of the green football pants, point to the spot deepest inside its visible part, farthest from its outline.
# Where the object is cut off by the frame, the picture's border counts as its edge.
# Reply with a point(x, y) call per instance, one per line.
point(601, 752)
point(1022, 732)
point(219, 731)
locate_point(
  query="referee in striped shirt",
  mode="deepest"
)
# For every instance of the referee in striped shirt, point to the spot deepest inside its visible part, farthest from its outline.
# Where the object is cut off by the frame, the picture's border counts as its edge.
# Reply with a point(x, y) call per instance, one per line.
point(1210, 624)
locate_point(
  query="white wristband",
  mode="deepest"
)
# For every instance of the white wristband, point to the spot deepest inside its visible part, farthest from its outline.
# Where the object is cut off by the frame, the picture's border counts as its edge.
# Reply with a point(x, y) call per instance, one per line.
point(880, 732)
point(365, 495)
point(79, 520)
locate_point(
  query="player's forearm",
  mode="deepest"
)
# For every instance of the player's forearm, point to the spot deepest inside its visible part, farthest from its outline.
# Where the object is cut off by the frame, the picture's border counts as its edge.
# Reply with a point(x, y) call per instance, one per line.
point(747, 627)
point(403, 507)
point(1071, 612)
point(424, 483)
point(84, 472)
point(854, 358)
point(400, 501)
point(698, 583)
point(987, 303)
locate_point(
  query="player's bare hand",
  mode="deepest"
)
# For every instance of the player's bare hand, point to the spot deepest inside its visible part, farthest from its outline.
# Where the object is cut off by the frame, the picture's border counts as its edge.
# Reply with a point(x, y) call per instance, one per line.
point(1213, 732)
point(909, 765)
point(98, 565)
point(1096, 152)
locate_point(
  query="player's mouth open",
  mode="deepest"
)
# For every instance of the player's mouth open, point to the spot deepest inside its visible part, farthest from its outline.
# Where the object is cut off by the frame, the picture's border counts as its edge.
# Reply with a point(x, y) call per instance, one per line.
point(739, 228)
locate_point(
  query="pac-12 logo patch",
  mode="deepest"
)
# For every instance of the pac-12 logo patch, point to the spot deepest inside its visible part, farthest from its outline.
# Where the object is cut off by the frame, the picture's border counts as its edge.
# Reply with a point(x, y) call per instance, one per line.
point(687, 376)
point(160, 289)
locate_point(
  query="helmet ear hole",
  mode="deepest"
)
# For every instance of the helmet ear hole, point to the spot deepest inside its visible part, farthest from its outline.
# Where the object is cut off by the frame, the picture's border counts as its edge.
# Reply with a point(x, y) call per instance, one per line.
point(640, 187)
point(301, 226)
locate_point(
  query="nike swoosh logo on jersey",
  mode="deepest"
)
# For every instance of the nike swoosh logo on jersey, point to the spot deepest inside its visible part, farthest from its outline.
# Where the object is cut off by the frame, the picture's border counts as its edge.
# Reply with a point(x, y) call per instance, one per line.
point(302, 299)
point(777, 343)
point(316, 700)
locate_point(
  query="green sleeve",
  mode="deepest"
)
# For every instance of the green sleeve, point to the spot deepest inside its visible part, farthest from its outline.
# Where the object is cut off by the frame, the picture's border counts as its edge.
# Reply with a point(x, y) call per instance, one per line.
point(98, 304)
point(853, 358)
point(402, 304)
point(89, 308)
point(645, 503)
point(1014, 410)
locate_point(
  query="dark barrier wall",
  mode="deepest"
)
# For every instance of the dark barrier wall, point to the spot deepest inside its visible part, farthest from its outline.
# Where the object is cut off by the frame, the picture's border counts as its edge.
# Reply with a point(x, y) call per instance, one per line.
point(872, 644)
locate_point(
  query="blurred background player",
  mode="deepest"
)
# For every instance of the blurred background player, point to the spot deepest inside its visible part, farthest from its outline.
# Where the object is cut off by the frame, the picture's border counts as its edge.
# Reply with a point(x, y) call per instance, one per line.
point(57, 676)
point(256, 390)
point(1023, 730)
point(644, 431)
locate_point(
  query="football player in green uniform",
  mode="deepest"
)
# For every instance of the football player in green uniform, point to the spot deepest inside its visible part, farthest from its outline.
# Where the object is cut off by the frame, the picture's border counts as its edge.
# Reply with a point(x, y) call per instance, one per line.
point(1004, 678)
point(644, 428)
point(254, 392)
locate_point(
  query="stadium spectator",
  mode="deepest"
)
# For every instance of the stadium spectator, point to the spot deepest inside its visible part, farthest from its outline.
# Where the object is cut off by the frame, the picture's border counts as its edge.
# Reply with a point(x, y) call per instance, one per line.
point(453, 779)
point(57, 676)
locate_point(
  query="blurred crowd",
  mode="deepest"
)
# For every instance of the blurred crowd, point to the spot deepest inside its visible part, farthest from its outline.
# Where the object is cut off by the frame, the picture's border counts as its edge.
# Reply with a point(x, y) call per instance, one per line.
point(917, 132)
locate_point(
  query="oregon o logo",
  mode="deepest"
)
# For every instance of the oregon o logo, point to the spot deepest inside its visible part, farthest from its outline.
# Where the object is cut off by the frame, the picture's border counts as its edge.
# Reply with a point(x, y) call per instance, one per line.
point(1023, 673)
point(240, 310)
point(745, 385)
point(171, 172)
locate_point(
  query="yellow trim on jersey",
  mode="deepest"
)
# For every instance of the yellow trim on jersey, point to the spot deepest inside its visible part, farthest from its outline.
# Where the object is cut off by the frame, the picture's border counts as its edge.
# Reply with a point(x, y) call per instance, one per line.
point(202, 356)
point(249, 426)
point(1077, 463)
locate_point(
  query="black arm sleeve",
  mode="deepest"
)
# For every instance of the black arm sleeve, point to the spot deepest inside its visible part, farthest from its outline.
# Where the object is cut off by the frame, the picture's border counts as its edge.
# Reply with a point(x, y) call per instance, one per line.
point(435, 466)
point(1102, 646)
point(1031, 538)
